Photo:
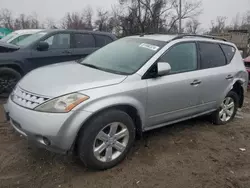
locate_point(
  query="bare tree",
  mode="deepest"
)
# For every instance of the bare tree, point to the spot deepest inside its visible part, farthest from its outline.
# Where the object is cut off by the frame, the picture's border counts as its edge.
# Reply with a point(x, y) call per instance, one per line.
point(26, 22)
point(73, 20)
point(21, 22)
point(115, 19)
point(219, 25)
point(50, 23)
point(78, 20)
point(102, 20)
point(127, 18)
point(237, 21)
point(189, 10)
point(246, 21)
point(192, 26)
point(34, 22)
point(147, 15)
point(152, 16)
point(6, 19)
point(88, 16)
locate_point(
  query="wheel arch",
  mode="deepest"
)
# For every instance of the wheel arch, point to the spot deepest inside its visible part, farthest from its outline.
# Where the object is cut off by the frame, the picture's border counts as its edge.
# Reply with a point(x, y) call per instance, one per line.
point(131, 110)
point(238, 88)
point(13, 66)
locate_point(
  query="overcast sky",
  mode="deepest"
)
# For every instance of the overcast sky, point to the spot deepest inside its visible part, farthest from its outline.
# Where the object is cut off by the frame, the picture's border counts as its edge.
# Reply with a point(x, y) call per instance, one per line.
point(57, 8)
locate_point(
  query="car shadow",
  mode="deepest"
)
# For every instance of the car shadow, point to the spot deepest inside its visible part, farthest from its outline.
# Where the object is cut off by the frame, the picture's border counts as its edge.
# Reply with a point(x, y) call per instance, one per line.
point(141, 146)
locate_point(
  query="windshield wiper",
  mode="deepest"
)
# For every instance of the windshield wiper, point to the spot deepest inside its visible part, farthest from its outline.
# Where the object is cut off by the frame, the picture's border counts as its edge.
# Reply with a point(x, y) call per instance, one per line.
point(90, 65)
point(103, 69)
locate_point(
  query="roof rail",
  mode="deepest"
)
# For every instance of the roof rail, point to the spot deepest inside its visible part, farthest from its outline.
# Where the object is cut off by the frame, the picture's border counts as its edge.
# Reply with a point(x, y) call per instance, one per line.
point(202, 36)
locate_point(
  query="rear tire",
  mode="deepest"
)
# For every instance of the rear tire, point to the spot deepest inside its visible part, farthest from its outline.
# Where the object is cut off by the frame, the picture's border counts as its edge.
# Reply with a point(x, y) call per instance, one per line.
point(106, 139)
point(8, 80)
point(227, 110)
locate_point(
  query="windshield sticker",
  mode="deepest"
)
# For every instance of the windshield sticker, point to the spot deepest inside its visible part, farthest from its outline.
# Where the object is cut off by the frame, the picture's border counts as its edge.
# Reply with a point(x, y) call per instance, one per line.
point(149, 46)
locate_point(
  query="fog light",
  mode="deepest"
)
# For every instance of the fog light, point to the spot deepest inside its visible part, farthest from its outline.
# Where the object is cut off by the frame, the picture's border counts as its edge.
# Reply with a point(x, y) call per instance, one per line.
point(46, 141)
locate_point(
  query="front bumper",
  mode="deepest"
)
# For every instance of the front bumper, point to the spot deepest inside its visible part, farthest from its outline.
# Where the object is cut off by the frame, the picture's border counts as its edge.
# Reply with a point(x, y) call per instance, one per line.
point(53, 131)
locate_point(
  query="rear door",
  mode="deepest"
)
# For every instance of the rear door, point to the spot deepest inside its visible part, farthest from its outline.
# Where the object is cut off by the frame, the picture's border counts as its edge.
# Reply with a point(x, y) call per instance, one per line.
point(216, 75)
point(60, 50)
point(83, 45)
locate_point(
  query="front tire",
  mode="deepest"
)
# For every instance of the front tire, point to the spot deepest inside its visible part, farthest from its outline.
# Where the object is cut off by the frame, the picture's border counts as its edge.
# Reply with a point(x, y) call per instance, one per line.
point(8, 79)
point(106, 139)
point(227, 109)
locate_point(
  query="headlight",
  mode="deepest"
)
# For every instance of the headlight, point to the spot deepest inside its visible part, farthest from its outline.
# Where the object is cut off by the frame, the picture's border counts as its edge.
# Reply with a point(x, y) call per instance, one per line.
point(62, 104)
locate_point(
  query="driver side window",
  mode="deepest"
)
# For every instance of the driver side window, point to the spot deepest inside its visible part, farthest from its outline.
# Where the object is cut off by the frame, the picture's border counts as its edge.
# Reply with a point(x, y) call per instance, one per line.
point(182, 57)
point(59, 41)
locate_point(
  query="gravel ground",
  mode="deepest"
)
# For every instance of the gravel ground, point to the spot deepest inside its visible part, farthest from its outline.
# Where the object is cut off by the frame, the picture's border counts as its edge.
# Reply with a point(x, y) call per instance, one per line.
point(191, 154)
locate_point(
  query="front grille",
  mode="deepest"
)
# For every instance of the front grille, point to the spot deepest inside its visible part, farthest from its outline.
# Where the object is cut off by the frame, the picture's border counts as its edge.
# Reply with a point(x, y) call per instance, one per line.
point(27, 99)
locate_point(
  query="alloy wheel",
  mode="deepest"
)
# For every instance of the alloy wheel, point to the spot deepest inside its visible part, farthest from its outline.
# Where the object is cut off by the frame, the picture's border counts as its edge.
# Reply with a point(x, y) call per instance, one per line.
point(227, 109)
point(111, 142)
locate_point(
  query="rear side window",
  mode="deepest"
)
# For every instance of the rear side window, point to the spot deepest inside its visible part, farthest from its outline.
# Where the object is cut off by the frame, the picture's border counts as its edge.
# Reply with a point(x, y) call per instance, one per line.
point(229, 51)
point(102, 40)
point(211, 55)
point(84, 41)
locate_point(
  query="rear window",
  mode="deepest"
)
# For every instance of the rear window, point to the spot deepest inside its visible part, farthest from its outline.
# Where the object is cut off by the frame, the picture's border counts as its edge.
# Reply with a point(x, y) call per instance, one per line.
point(229, 51)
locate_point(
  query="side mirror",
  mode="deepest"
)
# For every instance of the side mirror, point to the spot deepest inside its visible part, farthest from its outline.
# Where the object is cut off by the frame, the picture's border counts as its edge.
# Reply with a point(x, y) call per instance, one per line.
point(163, 68)
point(42, 46)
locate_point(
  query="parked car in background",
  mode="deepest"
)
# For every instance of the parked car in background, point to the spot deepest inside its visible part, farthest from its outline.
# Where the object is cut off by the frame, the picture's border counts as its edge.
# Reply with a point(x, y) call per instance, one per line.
point(95, 107)
point(45, 48)
point(4, 31)
point(17, 36)
point(247, 64)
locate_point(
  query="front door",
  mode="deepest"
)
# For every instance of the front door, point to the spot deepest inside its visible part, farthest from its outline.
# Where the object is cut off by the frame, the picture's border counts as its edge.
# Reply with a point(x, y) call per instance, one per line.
point(59, 51)
point(175, 96)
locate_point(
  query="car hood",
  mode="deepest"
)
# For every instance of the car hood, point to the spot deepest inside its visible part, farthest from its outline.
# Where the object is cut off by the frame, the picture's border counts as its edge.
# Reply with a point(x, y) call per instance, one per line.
point(59, 79)
point(6, 47)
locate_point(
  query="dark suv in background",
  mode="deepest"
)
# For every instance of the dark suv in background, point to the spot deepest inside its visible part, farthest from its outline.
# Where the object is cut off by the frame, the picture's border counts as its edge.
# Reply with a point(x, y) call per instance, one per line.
point(45, 48)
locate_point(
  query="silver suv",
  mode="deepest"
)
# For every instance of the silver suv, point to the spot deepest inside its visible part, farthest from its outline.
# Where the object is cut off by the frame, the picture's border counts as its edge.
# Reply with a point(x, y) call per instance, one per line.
point(97, 106)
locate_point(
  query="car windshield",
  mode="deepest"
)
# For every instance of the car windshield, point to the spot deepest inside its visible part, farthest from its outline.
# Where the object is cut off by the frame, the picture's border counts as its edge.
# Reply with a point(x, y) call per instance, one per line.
point(8, 37)
point(124, 56)
point(30, 39)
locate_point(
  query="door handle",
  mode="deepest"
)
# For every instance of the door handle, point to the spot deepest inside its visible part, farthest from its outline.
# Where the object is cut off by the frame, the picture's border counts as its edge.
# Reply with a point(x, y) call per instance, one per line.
point(195, 82)
point(229, 77)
